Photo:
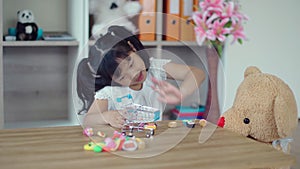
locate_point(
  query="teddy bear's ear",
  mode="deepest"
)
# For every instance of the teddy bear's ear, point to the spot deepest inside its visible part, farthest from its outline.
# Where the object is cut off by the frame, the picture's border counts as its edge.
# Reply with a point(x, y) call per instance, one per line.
point(251, 70)
point(285, 111)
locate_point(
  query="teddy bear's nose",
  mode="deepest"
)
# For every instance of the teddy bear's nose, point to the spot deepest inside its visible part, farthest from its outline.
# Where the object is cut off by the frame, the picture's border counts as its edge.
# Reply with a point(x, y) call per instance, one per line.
point(221, 122)
point(113, 6)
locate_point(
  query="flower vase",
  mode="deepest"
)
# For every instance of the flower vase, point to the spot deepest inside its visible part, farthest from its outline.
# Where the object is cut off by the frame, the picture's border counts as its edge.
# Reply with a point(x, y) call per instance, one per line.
point(212, 110)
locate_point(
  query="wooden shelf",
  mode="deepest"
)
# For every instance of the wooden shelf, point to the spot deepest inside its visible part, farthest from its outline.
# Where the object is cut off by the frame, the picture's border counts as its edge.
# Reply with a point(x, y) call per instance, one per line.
point(145, 43)
point(149, 43)
point(39, 43)
point(53, 60)
point(178, 43)
point(170, 43)
point(162, 43)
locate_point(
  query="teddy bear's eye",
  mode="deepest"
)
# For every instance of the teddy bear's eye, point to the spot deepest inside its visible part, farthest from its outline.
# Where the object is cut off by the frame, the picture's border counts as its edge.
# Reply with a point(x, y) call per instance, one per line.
point(246, 120)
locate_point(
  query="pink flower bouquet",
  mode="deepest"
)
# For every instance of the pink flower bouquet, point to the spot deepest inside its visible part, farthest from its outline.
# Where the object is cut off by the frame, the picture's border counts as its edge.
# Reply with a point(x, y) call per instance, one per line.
point(216, 20)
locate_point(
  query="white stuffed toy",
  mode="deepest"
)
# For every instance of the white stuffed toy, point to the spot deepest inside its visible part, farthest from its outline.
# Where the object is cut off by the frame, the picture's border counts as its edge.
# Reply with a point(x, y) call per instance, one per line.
point(112, 12)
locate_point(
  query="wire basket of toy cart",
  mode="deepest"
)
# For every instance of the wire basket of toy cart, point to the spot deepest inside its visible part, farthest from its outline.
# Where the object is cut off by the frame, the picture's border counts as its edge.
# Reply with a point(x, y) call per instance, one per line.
point(135, 113)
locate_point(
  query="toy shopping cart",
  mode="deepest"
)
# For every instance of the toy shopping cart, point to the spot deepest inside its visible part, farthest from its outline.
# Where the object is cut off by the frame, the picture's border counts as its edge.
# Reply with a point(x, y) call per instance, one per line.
point(138, 117)
point(136, 113)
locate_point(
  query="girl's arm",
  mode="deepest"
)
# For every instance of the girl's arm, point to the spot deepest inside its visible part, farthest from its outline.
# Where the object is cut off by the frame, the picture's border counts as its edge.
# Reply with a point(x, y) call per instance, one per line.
point(99, 114)
point(191, 78)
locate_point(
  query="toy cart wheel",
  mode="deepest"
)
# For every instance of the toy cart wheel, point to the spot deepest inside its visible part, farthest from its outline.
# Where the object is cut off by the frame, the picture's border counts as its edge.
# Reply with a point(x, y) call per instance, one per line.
point(151, 132)
point(123, 133)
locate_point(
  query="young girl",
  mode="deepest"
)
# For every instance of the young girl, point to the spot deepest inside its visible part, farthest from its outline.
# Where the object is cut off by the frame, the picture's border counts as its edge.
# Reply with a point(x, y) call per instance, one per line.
point(119, 70)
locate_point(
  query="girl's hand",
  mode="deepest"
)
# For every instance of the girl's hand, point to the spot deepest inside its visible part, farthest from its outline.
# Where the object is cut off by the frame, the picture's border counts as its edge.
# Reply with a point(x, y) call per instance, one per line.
point(114, 118)
point(167, 92)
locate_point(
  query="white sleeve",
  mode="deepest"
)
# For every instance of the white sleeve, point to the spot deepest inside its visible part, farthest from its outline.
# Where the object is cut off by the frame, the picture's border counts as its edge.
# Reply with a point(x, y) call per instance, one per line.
point(104, 93)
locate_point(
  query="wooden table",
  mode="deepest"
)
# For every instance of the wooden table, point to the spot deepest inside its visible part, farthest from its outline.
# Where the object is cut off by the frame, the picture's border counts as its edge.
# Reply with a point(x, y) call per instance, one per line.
point(62, 147)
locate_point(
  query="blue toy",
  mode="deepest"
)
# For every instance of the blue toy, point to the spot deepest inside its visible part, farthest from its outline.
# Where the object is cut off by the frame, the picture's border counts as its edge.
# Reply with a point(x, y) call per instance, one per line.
point(13, 32)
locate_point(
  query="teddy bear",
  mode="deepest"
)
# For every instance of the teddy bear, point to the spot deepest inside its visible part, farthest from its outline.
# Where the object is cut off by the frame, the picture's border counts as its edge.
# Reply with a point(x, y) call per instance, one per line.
point(26, 28)
point(264, 109)
point(112, 12)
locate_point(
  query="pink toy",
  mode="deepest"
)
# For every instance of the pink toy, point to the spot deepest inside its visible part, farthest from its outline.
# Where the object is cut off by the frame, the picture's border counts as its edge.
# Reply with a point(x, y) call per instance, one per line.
point(88, 132)
point(110, 143)
point(130, 145)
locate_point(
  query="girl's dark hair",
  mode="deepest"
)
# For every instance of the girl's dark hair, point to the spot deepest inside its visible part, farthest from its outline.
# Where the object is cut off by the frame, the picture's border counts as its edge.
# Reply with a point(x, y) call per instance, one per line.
point(95, 72)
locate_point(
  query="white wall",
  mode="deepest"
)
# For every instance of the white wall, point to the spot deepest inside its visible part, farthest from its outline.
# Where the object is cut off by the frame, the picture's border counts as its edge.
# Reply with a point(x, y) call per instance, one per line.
point(274, 34)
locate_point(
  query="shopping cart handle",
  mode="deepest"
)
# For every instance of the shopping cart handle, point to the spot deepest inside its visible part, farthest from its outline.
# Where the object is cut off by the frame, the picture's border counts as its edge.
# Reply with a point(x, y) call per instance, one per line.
point(119, 99)
point(156, 115)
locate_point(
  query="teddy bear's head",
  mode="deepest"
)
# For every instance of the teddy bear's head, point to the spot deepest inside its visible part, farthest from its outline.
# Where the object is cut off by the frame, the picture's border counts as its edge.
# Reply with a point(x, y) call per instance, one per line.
point(264, 108)
point(112, 12)
point(25, 16)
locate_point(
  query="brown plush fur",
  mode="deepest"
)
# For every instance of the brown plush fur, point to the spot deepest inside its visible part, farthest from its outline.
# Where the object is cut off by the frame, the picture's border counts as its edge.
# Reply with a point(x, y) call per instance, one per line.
point(267, 102)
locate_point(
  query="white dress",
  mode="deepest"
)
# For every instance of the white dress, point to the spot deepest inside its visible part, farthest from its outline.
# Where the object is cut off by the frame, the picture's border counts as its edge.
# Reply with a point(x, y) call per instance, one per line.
point(119, 96)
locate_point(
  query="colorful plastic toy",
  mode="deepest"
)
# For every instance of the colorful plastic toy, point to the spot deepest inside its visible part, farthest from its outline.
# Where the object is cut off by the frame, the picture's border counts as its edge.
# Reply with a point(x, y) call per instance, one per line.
point(115, 143)
point(202, 122)
point(130, 145)
point(172, 124)
point(189, 123)
point(88, 132)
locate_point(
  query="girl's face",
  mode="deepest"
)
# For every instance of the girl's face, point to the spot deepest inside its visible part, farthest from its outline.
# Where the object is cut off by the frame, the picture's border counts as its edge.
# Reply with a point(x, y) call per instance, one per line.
point(131, 71)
